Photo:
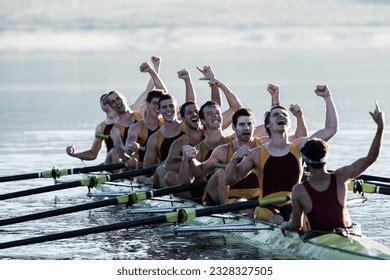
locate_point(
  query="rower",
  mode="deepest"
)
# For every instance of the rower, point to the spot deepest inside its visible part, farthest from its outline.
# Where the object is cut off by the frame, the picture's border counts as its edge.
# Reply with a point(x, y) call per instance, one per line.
point(167, 174)
point(198, 162)
point(189, 113)
point(158, 145)
point(323, 197)
point(140, 132)
point(248, 187)
point(127, 116)
point(295, 109)
point(278, 163)
point(102, 133)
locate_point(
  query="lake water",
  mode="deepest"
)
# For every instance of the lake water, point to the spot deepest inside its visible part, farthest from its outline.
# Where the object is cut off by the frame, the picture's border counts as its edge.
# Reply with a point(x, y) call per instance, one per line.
point(56, 61)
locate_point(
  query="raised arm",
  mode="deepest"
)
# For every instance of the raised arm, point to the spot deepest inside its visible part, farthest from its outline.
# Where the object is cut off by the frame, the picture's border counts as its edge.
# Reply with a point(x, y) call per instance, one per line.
point(356, 168)
point(209, 74)
point(301, 129)
point(240, 165)
point(331, 119)
point(273, 89)
point(90, 154)
point(190, 91)
point(150, 86)
point(233, 101)
point(146, 68)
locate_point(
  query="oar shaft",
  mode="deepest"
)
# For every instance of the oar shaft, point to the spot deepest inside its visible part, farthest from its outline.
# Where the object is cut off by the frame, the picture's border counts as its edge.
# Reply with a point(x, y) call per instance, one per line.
point(50, 188)
point(373, 178)
point(180, 188)
point(101, 167)
point(181, 215)
point(125, 199)
point(382, 190)
point(19, 177)
point(61, 211)
point(82, 232)
point(133, 173)
point(73, 184)
point(62, 172)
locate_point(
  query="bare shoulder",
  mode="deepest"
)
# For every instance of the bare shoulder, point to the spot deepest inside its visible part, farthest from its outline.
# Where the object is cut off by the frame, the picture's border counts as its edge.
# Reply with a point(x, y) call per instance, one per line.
point(298, 188)
point(98, 128)
point(220, 152)
point(300, 142)
point(152, 139)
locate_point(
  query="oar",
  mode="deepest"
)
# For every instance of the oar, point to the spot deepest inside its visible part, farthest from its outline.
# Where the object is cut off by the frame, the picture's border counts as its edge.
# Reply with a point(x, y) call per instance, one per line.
point(360, 186)
point(56, 173)
point(129, 200)
point(365, 177)
point(91, 181)
point(181, 215)
point(216, 165)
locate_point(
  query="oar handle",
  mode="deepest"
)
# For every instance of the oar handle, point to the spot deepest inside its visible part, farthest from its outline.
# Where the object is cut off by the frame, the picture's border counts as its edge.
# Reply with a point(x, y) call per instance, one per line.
point(102, 136)
point(220, 165)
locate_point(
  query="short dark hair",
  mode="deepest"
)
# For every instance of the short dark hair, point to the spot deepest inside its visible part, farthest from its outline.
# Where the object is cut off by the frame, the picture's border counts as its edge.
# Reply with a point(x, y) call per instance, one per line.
point(314, 152)
point(241, 112)
point(156, 93)
point(119, 93)
point(104, 98)
point(183, 108)
point(164, 97)
point(207, 104)
point(267, 116)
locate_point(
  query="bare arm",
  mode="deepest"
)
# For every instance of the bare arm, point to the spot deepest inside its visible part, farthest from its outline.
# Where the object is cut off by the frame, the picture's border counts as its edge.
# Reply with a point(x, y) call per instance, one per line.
point(185, 174)
point(146, 68)
point(202, 169)
point(236, 171)
point(172, 162)
point(301, 129)
point(233, 101)
point(331, 122)
point(90, 154)
point(131, 142)
point(151, 151)
point(296, 220)
point(190, 91)
point(150, 86)
point(209, 74)
point(273, 89)
point(356, 168)
point(117, 141)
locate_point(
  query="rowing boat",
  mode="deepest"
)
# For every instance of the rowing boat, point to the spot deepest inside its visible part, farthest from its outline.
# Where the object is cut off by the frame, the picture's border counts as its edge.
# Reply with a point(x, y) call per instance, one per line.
point(269, 237)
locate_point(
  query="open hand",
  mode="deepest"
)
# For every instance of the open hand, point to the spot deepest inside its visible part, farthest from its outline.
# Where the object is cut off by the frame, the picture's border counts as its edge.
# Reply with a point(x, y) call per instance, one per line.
point(378, 115)
point(207, 72)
